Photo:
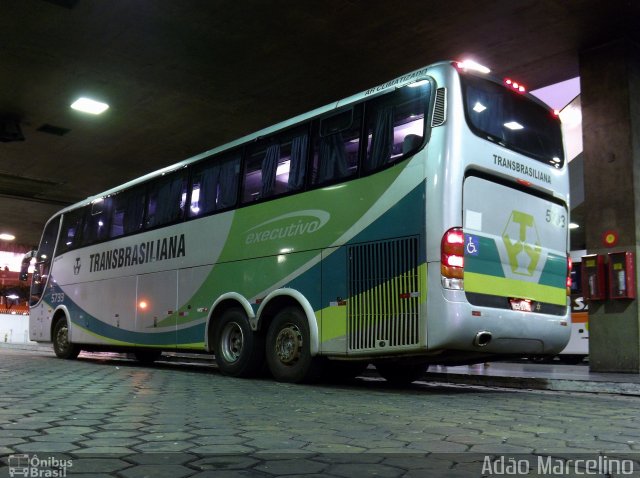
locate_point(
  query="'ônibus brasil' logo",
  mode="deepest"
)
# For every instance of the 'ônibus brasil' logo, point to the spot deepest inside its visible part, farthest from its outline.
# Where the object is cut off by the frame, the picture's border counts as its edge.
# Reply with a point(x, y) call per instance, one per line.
point(522, 241)
point(288, 225)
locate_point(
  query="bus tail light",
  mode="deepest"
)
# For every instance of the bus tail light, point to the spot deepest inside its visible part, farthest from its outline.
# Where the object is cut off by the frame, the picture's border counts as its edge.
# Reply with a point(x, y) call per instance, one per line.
point(452, 258)
point(569, 267)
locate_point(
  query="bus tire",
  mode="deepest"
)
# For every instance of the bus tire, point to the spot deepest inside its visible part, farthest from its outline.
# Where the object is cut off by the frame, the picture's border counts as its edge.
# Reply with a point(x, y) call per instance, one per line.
point(399, 372)
point(238, 350)
point(62, 347)
point(147, 357)
point(288, 348)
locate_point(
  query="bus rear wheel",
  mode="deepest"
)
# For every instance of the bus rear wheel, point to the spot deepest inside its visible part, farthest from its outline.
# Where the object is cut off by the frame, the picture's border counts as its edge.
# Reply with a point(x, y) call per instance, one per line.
point(62, 347)
point(239, 351)
point(288, 348)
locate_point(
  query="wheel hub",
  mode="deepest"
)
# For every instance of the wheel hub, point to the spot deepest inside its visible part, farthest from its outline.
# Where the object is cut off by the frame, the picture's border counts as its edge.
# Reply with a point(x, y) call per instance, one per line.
point(232, 342)
point(289, 344)
point(63, 339)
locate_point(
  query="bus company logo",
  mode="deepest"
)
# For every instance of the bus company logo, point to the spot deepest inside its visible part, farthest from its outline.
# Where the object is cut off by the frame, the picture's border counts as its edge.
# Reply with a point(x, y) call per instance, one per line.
point(76, 267)
point(32, 466)
point(522, 242)
point(298, 223)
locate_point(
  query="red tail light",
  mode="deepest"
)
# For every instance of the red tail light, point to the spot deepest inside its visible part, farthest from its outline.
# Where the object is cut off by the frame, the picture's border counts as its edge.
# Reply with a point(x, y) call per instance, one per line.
point(452, 254)
point(569, 266)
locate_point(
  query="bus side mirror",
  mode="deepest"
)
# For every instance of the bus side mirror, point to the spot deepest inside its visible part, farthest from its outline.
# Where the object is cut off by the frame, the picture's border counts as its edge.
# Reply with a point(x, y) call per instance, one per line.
point(24, 267)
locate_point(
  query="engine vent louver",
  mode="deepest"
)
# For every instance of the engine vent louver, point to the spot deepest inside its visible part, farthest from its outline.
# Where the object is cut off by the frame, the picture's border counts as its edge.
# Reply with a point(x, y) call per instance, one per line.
point(440, 108)
point(384, 295)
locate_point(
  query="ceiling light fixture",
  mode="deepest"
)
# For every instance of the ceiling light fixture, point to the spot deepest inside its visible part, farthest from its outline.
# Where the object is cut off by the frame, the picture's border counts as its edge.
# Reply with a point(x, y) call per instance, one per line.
point(87, 105)
point(7, 237)
point(514, 125)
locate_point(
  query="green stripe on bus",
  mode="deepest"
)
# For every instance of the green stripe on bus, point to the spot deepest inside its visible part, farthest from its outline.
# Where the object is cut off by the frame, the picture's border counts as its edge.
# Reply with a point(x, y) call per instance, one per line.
point(555, 271)
point(487, 261)
point(503, 287)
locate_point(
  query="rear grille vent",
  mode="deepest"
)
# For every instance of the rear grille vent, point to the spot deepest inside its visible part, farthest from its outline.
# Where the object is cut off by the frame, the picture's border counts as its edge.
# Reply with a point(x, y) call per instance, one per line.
point(384, 295)
point(440, 108)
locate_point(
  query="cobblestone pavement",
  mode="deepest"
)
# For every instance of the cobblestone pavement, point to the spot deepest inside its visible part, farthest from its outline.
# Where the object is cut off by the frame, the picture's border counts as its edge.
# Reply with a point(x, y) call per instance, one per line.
point(110, 417)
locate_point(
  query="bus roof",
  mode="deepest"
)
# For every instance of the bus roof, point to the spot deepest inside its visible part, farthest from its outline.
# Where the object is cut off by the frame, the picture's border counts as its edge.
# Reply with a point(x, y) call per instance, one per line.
point(374, 91)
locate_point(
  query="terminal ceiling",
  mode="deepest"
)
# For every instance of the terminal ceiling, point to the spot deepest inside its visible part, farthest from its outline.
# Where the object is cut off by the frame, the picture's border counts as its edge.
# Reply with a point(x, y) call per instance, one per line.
point(184, 76)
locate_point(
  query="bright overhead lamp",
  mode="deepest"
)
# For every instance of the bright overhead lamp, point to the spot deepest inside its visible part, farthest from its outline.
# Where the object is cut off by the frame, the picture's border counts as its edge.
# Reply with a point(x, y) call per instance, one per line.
point(7, 237)
point(479, 107)
point(87, 105)
point(573, 225)
point(514, 125)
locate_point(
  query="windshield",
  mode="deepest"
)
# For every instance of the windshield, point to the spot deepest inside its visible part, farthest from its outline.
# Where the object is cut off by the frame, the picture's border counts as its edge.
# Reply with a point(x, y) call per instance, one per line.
point(512, 120)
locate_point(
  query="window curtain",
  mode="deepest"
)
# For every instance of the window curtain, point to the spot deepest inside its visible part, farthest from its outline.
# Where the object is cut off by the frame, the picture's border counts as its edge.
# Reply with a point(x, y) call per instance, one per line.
point(298, 163)
point(168, 201)
point(209, 179)
point(269, 167)
point(228, 183)
point(382, 143)
point(133, 212)
point(332, 158)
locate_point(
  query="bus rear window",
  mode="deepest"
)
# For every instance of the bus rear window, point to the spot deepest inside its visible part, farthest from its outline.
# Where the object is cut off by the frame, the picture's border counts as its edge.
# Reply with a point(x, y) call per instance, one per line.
point(512, 120)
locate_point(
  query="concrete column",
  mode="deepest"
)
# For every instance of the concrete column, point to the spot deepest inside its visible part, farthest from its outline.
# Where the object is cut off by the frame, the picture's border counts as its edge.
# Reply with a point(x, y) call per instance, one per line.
point(610, 96)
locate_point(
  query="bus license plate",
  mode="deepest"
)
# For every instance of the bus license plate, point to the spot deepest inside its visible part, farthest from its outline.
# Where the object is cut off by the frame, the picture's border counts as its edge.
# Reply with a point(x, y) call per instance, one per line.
point(521, 305)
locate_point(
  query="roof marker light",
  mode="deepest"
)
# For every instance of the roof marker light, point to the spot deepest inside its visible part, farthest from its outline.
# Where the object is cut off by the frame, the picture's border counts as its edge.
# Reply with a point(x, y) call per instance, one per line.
point(515, 85)
point(472, 65)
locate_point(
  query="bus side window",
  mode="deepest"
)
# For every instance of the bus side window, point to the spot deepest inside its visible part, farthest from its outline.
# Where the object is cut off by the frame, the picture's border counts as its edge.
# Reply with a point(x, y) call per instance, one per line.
point(127, 212)
point(276, 165)
point(167, 199)
point(336, 146)
point(96, 221)
point(215, 184)
point(44, 257)
point(395, 125)
point(70, 232)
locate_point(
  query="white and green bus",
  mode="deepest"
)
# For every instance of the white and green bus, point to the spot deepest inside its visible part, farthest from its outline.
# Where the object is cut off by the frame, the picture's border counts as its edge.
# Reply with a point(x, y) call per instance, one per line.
point(422, 221)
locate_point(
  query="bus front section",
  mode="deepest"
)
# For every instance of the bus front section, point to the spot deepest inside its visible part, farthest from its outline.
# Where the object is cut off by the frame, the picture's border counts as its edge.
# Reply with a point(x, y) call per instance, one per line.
point(504, 267)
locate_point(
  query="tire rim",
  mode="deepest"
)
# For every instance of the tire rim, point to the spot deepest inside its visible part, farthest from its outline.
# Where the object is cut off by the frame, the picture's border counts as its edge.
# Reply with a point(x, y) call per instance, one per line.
point(288, 346)
point(62, 339)
point(231, 341)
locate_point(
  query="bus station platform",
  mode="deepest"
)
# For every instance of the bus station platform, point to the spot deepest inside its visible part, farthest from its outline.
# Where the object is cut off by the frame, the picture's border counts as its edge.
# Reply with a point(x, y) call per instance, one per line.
point(524, 374)
point(105, 415)
point(538, 376)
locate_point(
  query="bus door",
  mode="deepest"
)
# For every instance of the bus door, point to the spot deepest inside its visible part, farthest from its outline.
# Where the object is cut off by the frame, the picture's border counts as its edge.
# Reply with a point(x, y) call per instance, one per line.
point(157, 307)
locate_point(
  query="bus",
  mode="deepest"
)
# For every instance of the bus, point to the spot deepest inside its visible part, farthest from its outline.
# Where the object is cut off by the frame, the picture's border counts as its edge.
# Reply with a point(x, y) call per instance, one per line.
point(578, 347)
point(422, 221)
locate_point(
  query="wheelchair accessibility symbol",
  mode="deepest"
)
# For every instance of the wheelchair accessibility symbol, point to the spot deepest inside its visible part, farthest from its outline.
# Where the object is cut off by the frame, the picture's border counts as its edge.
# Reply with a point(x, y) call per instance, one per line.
point(472, 245)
